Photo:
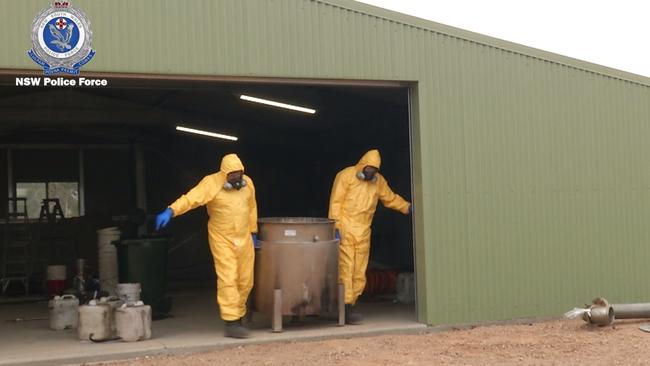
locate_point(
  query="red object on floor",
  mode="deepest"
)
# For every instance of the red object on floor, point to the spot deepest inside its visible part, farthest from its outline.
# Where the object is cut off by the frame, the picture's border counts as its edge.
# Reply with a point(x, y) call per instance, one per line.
point(55, 287)
point(380, 282)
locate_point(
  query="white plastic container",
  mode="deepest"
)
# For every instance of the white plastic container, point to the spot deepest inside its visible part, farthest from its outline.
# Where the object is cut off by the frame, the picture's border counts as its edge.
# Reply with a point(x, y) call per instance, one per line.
point(129, 292)
point(133, 322)
point(108, 258)
point(114, 302)
point(64, 312)
point(406, 287)
point(94, 320)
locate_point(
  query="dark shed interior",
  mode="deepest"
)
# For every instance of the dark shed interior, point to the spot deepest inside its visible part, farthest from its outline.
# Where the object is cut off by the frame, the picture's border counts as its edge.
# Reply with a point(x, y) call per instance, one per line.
point(120, 147)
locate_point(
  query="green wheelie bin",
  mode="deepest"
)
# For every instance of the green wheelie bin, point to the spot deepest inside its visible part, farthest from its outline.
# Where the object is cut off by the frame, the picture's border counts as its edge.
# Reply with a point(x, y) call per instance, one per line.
point(144, 261)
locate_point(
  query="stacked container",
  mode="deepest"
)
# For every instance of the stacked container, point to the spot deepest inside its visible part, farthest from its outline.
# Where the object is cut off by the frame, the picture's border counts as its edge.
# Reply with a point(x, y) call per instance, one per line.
point(133, 322)
point(129, 292)
point(108, 277)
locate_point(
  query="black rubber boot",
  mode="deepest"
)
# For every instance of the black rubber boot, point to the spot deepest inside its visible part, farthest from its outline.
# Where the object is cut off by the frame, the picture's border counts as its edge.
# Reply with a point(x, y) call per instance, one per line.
point(234, 329)
point(351, 317)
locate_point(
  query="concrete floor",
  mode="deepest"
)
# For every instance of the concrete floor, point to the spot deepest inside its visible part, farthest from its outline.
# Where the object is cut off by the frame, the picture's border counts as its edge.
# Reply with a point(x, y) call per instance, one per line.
point(194, 327)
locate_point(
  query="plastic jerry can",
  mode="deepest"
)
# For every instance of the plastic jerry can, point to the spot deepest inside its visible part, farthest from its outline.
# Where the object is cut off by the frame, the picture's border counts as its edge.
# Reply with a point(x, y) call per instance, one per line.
point(94, 321)
point(64, 312)
point(133, 322)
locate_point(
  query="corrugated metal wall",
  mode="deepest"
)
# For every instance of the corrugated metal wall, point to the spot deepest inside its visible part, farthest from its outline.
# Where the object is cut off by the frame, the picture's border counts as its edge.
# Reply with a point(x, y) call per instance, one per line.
point(539, 186)
point(530, 168)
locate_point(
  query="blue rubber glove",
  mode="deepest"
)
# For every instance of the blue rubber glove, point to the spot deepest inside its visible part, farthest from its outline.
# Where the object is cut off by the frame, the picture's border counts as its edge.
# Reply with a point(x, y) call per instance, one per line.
point(411, 209)
point(256, 242)
point(163, 218)
point(337, 235)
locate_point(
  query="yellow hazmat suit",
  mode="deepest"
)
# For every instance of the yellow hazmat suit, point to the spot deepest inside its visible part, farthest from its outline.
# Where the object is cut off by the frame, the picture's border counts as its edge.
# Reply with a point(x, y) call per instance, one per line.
point(233, 217)
point(352, 206)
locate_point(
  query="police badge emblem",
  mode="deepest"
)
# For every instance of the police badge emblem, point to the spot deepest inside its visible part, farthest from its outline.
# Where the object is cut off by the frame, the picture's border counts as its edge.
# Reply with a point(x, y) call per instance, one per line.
point(61, 39)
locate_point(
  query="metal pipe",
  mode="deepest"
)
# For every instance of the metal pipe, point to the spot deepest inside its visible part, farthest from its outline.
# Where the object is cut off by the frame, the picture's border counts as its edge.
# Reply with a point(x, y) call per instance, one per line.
point(631, 311)
point(277, 311)
point(600, 312)
point(600, 315)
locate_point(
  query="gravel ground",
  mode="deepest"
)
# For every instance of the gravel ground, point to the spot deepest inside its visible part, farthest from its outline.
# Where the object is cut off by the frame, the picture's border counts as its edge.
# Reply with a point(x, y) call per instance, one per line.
point(566, 342)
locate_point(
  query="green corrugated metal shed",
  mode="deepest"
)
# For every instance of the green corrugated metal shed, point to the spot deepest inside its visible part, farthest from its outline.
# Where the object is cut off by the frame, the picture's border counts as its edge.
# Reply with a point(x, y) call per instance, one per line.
point(531, 178)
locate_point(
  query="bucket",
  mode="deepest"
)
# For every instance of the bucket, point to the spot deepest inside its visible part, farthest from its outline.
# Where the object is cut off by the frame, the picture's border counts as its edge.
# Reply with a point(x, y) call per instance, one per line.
point(129, 292)
point(108, 278)
point(55, 280)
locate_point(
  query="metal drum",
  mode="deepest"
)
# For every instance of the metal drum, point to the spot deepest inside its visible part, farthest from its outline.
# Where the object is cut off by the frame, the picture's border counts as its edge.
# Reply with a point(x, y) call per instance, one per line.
point(296, 229)
point(296, 269)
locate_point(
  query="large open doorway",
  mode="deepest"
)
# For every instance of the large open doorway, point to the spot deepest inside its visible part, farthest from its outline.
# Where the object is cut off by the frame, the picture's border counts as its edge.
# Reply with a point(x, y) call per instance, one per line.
point(108, 151)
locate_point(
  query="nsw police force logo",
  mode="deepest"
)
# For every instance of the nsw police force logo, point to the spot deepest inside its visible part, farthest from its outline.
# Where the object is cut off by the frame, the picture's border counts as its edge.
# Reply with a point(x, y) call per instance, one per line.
point(61, 39)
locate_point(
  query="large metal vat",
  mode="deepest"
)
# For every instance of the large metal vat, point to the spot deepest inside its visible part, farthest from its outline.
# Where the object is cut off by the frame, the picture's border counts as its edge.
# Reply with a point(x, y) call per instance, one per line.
point(296, 269)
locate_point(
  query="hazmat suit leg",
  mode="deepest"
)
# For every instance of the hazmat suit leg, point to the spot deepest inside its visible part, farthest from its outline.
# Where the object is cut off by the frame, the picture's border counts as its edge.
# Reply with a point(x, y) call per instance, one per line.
point(361, 256)
point(353, 262)
point(246, 266)
point(234, 268)
point(346, 269)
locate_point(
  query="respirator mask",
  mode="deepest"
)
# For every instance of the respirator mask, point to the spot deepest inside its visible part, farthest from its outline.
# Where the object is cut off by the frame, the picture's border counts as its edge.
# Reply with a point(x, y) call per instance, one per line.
point(236, 185)
point(362, 176)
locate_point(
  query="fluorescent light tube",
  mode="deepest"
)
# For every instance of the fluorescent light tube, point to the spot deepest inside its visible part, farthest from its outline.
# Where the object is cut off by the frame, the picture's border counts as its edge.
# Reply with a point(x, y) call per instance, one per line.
point(278, 104)
point(206, 133)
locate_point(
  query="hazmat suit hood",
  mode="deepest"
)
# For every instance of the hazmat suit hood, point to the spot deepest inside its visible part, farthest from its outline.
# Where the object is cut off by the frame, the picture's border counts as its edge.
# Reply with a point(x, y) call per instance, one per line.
point(371, 158)
point(231, 163)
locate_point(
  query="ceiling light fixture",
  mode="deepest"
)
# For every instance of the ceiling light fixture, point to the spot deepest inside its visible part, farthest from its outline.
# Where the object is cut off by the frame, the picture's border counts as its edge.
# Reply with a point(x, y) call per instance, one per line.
point(206, 133)
point(278, 104)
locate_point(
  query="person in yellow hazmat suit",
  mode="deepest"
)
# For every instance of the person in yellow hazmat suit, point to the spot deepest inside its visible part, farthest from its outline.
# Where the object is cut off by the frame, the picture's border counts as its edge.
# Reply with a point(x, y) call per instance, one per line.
point(353, 202)
point(232, 227)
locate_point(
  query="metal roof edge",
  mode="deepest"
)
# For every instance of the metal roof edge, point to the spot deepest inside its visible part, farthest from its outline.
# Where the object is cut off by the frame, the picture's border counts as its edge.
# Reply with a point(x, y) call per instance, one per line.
point(508, 46)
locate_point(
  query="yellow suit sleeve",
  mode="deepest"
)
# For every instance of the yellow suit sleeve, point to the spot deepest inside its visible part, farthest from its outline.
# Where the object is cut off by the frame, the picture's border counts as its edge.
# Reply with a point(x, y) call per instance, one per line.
point(337, 198)
point(252, 204)
point(203, 193)
point(390, 199)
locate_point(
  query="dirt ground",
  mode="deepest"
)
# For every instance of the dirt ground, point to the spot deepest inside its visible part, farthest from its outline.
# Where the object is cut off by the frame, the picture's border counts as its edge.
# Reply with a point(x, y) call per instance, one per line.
point(566, 342)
